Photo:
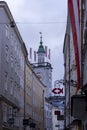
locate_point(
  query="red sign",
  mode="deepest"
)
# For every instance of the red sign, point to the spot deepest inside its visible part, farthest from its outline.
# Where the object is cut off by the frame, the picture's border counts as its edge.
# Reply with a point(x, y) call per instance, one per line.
point(57, 90)
point(57, 112)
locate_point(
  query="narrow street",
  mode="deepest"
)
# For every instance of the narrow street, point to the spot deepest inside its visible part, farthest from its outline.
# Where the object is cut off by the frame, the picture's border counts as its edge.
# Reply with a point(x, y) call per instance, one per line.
point(43, 77)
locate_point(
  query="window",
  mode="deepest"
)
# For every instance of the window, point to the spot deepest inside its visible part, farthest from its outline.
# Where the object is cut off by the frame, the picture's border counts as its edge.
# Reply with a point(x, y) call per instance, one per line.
point(6, 81)
point(12, 60)
point(4, 112)
point(15, 65)
point(15, 47)
point(11, 87)
point(18, 66)
point(9, 112)
point(12, 39)
point(7, 53)
point(7, 31)
point(15, 90)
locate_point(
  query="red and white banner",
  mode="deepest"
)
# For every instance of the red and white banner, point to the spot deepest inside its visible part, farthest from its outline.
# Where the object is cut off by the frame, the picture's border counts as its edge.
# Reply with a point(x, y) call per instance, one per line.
point(35, 56)
point(30, 53)
point(74, 12)
point(46, 51)
point(49, 54)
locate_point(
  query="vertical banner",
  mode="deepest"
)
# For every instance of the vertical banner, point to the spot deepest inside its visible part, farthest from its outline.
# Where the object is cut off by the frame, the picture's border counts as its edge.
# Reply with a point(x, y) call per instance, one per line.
point(34, 56)
point(74, 12)
point(49, 53)
point(46, 51)
point(30, 53)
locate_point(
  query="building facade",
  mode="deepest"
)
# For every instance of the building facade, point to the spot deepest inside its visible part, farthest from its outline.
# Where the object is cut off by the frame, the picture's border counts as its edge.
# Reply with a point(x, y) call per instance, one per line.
point(58, 118)
point(84, 57)
point(28, 94)
point(58, 103)
point(12, 64)
point(75, 66)
point(34, 99)
point(38, 103)
point(70, 71)
point(20, 88)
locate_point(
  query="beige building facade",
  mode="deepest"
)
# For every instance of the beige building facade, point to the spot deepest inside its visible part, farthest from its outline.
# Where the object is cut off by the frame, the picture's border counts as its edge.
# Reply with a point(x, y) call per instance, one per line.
point(34, 99)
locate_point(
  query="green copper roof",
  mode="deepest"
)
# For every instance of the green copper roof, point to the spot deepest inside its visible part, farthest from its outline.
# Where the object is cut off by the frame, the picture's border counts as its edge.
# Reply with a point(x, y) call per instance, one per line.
point(41, 48)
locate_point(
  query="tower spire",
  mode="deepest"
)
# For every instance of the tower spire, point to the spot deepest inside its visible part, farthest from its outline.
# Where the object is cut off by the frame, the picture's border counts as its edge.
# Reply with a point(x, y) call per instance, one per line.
point(41, 48)
point(41, 51)
point(41, 38)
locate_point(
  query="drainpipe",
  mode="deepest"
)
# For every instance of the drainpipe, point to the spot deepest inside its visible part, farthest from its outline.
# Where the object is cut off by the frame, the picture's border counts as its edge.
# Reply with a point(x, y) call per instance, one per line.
point(81, 36)
point(25, 91)
point(43, 111)
point(65, 98)
point(32, 98)
point(69, 81)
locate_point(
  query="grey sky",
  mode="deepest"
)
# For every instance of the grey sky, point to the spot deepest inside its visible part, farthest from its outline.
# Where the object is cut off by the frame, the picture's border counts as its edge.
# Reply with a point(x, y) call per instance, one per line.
point(48, 17)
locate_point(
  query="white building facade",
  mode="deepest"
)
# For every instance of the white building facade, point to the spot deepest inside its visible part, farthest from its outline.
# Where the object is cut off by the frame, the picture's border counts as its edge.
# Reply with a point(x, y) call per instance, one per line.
point(12, 66)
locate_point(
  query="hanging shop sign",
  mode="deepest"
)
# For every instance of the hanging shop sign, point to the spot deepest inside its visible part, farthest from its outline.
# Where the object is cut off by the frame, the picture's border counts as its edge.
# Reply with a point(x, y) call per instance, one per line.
point(57, 90)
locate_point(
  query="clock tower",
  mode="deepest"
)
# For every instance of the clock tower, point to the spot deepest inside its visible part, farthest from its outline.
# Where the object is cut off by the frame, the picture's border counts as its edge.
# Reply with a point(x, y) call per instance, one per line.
point(43, 69)
point(44, 72)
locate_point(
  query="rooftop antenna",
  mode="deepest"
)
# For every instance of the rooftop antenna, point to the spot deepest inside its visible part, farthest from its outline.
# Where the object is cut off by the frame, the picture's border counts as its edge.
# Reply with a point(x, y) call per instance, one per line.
point(41, 38)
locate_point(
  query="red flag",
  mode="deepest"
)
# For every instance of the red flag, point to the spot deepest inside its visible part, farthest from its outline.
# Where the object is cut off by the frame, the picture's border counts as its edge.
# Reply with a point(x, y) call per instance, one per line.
point(46, 51)
point(34, 55)
point(74, 12)
point(30, 53)
point(49, 55)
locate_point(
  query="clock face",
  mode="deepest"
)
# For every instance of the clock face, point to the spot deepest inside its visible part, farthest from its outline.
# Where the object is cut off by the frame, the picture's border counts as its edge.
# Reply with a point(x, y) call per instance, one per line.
point(40, 76)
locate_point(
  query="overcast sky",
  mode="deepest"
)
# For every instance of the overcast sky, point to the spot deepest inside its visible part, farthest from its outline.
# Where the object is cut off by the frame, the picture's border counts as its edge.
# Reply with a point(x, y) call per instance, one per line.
point(48, 17)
